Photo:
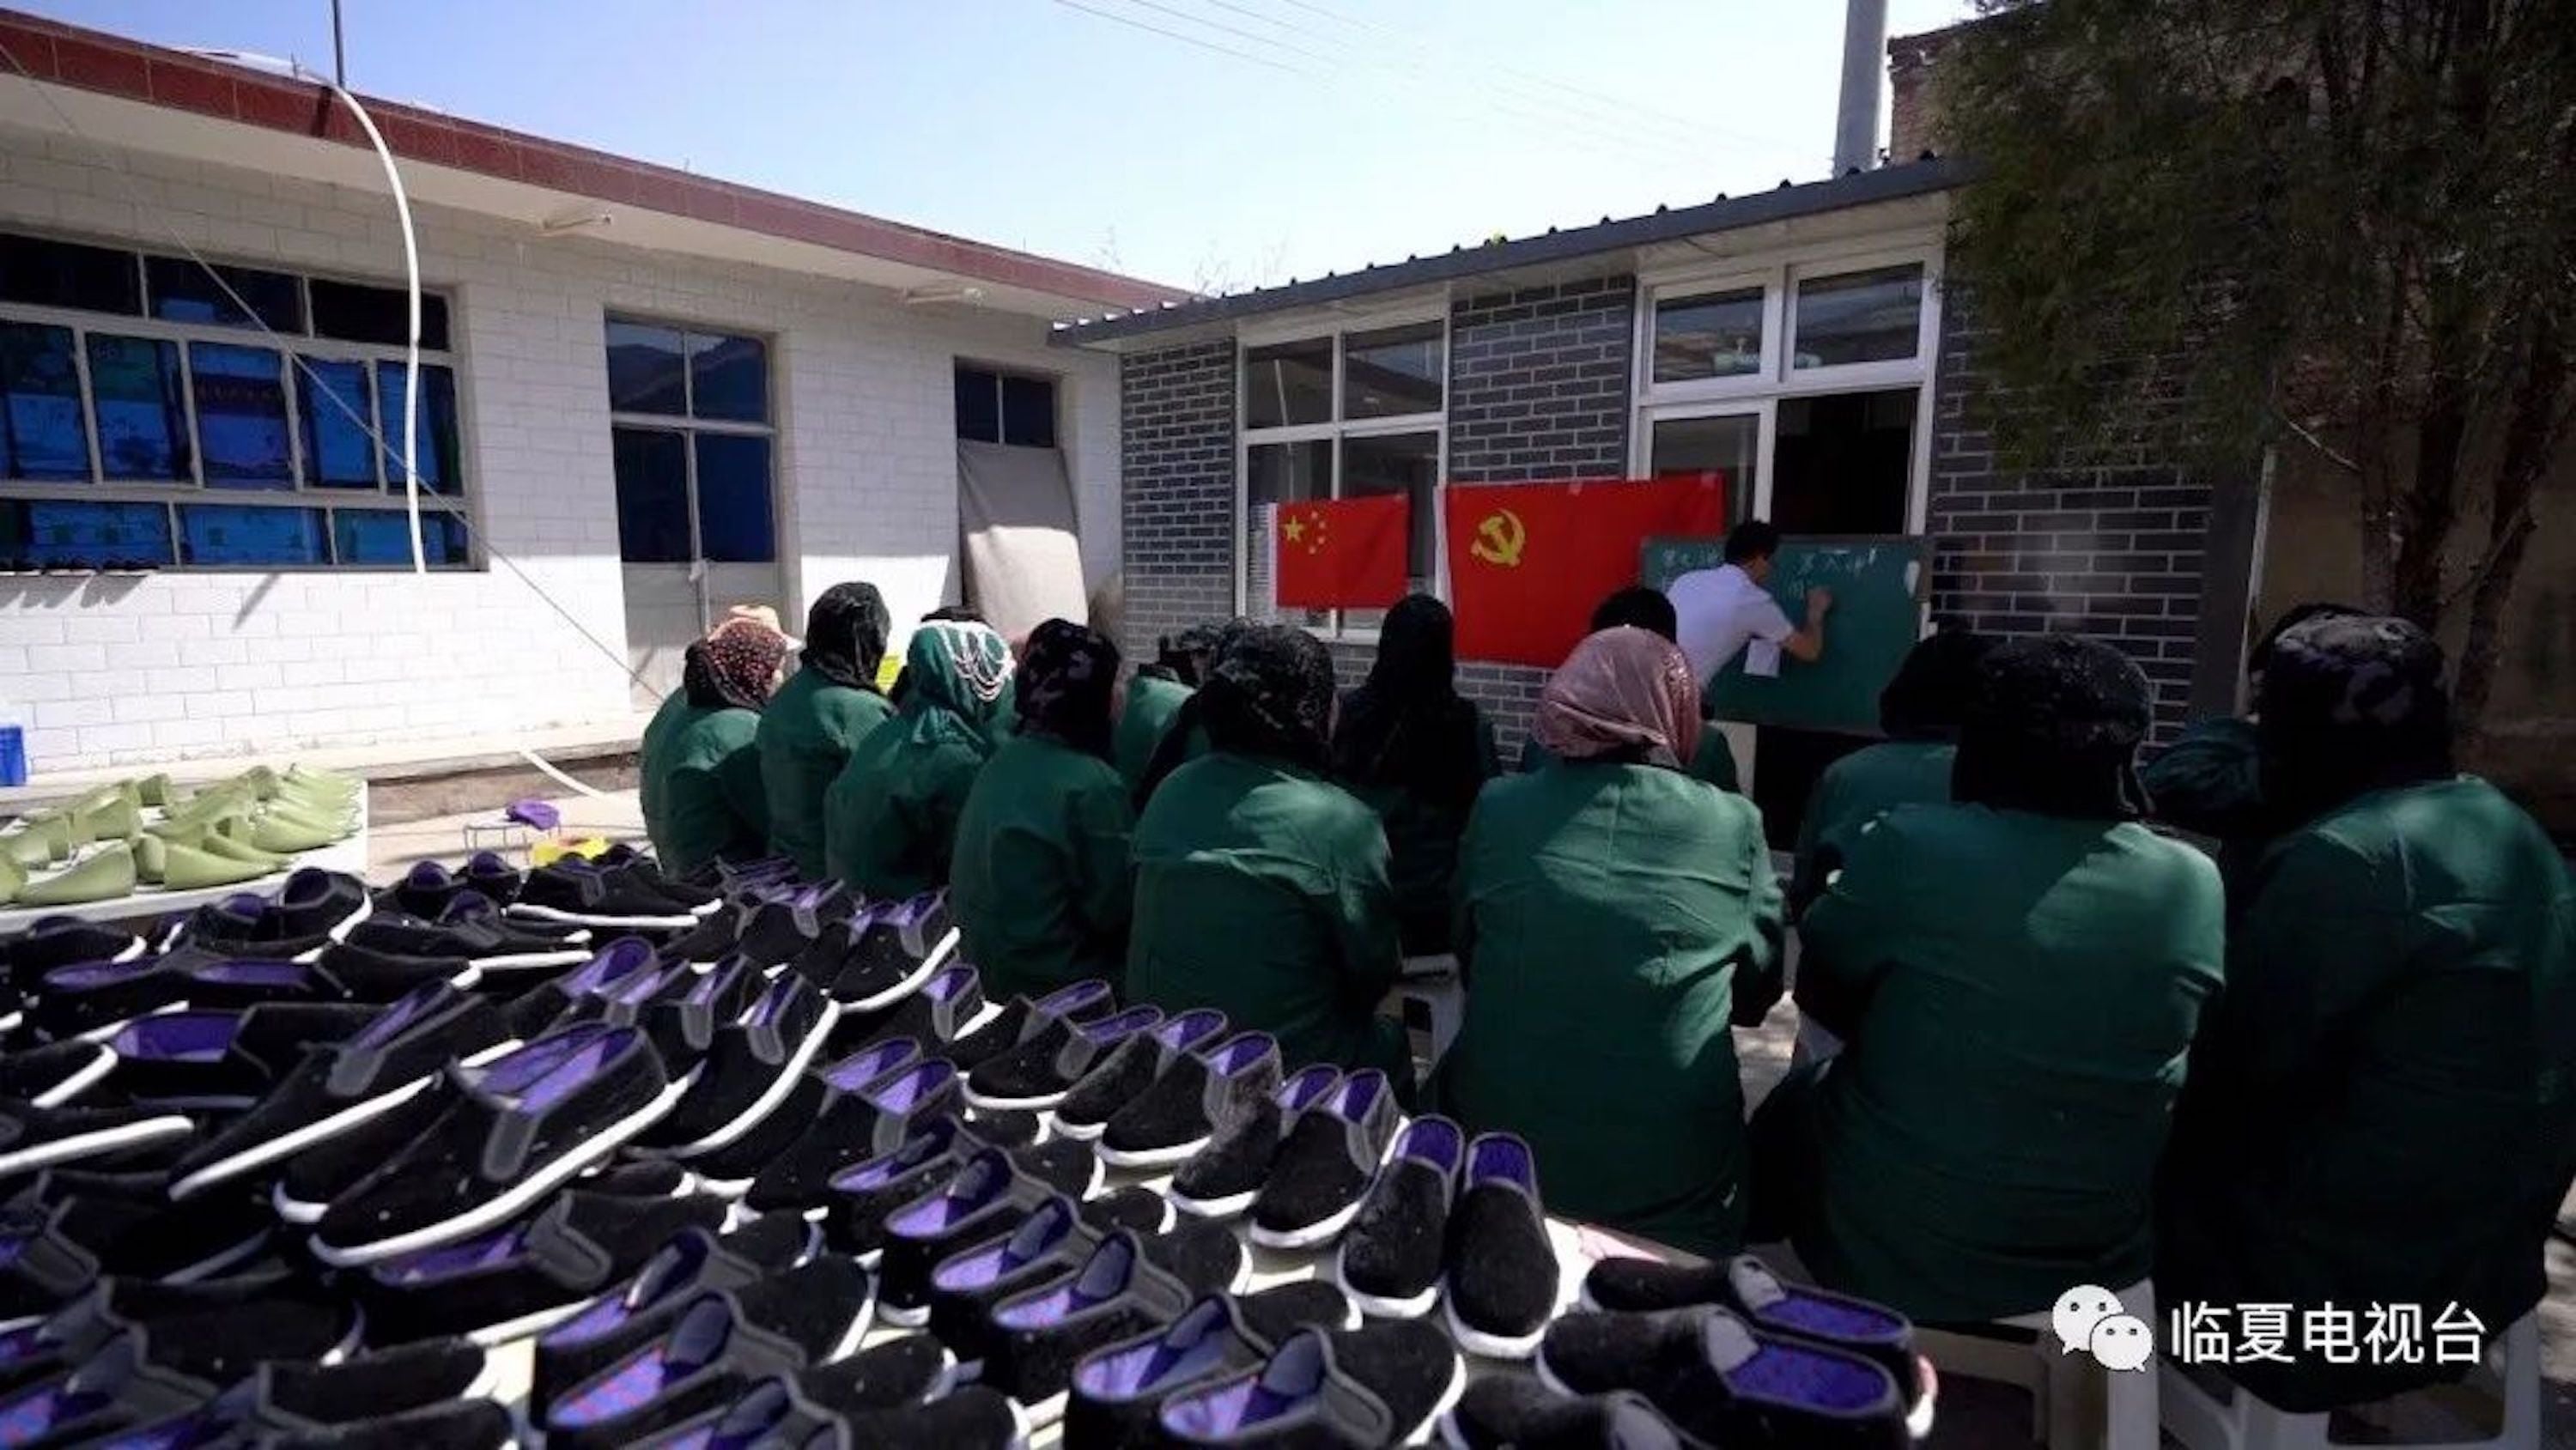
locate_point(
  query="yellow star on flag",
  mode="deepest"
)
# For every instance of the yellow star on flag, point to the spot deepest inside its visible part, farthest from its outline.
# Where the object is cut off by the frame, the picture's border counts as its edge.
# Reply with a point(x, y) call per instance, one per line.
point(1295, 529)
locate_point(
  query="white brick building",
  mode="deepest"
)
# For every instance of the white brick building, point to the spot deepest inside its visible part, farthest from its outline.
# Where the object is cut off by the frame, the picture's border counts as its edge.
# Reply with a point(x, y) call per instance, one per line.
point(849, 404)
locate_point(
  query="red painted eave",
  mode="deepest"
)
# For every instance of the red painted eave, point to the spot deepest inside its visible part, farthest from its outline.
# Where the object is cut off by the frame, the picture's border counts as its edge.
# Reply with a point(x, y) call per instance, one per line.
point(131, 70)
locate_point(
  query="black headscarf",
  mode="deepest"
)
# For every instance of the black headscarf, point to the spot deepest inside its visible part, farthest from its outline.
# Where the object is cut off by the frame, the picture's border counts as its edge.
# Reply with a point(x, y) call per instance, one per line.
point(1929, 696)
point(1068, 677)
point(2350, 704)
point(1406, 725)
point(1173, 750)
point(734, 667)
point(1185, 657)
point(845, 636)
point(2053, 728)
point(2298, 614)
point(1639, 607)
point(1271, 694)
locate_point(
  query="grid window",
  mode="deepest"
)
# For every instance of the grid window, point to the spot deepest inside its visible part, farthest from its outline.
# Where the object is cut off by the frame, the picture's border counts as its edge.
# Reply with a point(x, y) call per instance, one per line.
point(692, 448)
point(136, 391)
point(999, 407)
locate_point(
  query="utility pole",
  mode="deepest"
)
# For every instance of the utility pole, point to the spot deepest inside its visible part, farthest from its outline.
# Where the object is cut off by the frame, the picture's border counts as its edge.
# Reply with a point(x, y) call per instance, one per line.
point(339, 51)
point(1864, 77)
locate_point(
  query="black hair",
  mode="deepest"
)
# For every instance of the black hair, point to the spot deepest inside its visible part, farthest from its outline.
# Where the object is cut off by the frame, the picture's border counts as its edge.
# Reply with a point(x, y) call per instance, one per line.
point(1929, 696)
point(1641, 606)
point(2292, 618)
point(954, 614)
point(1752, 539)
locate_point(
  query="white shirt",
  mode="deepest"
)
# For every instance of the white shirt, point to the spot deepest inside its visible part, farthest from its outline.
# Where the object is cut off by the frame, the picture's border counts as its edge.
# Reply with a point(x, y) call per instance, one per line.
point(1720, 611)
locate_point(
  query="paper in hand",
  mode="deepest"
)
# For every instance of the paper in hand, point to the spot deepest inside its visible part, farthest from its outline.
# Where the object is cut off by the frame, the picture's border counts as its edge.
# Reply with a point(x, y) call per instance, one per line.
point(1762, 660)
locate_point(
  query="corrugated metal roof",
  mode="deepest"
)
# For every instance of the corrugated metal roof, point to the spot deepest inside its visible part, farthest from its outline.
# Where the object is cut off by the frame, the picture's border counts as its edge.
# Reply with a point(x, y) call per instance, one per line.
point(1858, 188)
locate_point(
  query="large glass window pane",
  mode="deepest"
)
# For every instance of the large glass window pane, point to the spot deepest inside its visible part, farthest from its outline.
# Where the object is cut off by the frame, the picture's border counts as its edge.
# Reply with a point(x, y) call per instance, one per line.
point(182, 291)
point(66, 274)
point(979, 406)
point(140, 396)
point(1028, 411)
point(42, 434)
point(1842, 462)
point(61, 534)
point(437, 446)
point(1291, 382)
point(652, 468)
point(358, 313)
point(646, 373)
point(1286, 472)
point(1860, 317)
point(729, 378)
point(1718, 335)
point(382, 538)
point(245, 536)
point(339, 421)
point(1393, 371)
point(1409, 464)
point(734, 522)
point(241, 416)
point(1729, 446)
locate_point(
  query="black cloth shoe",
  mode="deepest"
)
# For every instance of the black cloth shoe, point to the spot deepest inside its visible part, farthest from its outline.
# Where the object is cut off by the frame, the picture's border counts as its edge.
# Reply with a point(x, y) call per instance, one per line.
point(334, 1089)
point(183, 1061)
point(984, 1196)
point(775, 932)
point(54, 1074)
point(640, 868)
point(1762, 1299)
point(1392, 1258)
point(302, 1397)
point(714, 938)
point(1325, 1164)
point(1116, 1390)
point(374, 976)
point(128, 1223)
point(32, 1137)
point(813, 1096)
point(682, 1025)
point(1050, 1243)
point(1718, 1379)
point(121, 1387)
point(1509, 1412)
point(41, 1267)
point(1130, 1068)
point(1037, 1073)
point(935, 1016)
point(482, 939)
point(1195, 1096)
point(60, 941)
point(751, 1067)
point(864, 1193)
point(452, 1425)
point(216, 1329)
point(93, 999)
point(872, 1120)
point(502, 1285)
point(1041, 1334)
point(888, 1376)
point(771, 1412)
point(428, 889)
point(577, 893)
point(1220, 1180)
point(1323, 1387)
point(1135, 1208)
point(619, 964)
point(973, 1418)
point(1021, 1018)
point(1502, 1276)
point(519, 1126)
point(893, 950)
point(696, 1261)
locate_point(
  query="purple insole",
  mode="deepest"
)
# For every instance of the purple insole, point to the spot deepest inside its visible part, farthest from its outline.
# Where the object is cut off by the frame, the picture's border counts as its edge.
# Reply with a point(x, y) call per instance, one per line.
point(427, 875)
point(672, 1269)
point(35, 1415)
point(914, 1087)
point(454, 1260)
point(177, 1037)
point(1064, 1001)
point(715, 984)
point(398, 1018)
point(1357, 1094)
point(1105, 1277)
point(1310, 1083)
point(1501, 1156)
point(977, 1188)
point(615, 962)
point(912, 912)
point(1187, 1351)
point(525, 1068)
point(922, 1148)
point(1832, 1318)
point(1121, 1026)
point(85, 976)
point(575, 1071)
point(872, 1063)
point(950, 984)
point(1788, 1375)
point(1241, 1052)
point(252, 974)
point(1436, 1141)
point(693, 1344)
point(1287, 1384)
point(991, 1262)
point(1188, 1031)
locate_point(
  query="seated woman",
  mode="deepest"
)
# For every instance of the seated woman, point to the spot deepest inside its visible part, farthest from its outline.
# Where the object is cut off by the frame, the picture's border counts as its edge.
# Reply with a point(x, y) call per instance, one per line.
point(2382, 1108)
point(1155, 696)
point(890, 820)
point(1714, 759)
point(1416, 751)
point(820, 715)
point(1261, 887)
point(1040, 882)
point(1920, 710)
point(2016, 977)
point(699, 768)
point(1614, 917)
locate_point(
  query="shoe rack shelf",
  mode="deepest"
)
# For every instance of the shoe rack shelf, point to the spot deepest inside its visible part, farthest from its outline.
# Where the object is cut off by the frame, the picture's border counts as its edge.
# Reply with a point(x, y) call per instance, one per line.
point(348, 855)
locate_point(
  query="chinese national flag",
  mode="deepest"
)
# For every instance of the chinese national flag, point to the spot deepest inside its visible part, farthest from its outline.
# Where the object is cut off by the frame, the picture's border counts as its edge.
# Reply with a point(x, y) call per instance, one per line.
point(1529, 562)
point(1344, 553)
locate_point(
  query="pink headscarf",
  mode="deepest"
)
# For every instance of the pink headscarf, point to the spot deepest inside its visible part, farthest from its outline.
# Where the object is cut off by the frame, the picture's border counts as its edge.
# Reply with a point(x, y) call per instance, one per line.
point(1623, 689)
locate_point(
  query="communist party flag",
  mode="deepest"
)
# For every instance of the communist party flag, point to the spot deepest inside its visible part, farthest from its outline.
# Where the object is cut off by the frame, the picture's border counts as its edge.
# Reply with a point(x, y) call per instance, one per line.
point(1342, 553)
point(1529, 562)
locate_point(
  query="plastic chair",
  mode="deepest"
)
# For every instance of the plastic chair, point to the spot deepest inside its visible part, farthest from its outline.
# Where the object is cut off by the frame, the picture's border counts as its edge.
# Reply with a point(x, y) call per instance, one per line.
point(2070, 1394)
point(2244, 1422)
point(1433, 982)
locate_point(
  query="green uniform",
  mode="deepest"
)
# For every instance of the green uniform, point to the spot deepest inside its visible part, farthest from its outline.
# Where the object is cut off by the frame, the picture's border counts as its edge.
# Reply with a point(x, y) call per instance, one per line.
point(2383, 1107)
point(1422, 845)
point(890, 819)
point(1261, 890)
point(1151, 704)
point(2017, 995)
point(1041, 886)
point(700, 786)
point(2209, 781)
point(1608, 915)
point(806, 736)
point(1856, 790)
point(1713, 761)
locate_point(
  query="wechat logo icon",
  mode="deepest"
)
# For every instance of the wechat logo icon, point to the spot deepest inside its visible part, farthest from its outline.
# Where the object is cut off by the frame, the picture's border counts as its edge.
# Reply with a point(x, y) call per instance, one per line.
point(2088, 1319)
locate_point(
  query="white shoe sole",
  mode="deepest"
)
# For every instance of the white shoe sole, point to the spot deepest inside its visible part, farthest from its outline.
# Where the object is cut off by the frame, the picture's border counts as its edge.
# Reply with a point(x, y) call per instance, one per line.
point(912, 981)
point(1508, 1347)
point(77, 1146)
point(771, 1096)
point(912, 1318)
point(80, 1081)
point(1152, 1157)
point(614, 923)
point(1432, 1423)
point(506, 1205)
point(1306, 1236)
point(1083, 1132)
point(1233, 1205)
point(526, 1326)
point(1378, 1306)
point(320, 1130)
point(1038, 1104)
point(532, 961)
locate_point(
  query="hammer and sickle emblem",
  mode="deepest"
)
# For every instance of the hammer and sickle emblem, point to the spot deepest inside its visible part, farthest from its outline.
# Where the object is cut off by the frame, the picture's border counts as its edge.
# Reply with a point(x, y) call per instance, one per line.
point(1500, 538)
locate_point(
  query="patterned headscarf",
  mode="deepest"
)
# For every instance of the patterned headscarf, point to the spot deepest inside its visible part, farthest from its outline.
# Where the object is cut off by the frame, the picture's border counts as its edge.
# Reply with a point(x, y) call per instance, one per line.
point(1930, 694)
point(2053, 729)
point(1626, 693)
point(1271, 694)
point(1406, 725)
point(1068, 681)
point(845, 635)
point(735, 666)
point(956, 672)
point(2351, 704)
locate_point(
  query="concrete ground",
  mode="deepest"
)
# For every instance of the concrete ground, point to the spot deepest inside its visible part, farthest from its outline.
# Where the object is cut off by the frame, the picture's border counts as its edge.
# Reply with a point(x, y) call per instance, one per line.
point(1974, 1415)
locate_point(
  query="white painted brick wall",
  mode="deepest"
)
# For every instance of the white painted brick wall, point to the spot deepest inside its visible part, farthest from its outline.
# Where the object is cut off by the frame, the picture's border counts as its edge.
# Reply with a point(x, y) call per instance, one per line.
point(113, 672)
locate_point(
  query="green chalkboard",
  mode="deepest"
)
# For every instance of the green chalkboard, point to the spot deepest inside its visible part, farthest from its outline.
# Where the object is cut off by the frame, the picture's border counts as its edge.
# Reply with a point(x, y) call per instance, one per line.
point(1879, 584)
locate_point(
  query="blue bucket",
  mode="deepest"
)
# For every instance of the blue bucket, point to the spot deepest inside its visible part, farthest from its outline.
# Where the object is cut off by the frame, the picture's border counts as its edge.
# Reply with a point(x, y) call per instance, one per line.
point(13, 755)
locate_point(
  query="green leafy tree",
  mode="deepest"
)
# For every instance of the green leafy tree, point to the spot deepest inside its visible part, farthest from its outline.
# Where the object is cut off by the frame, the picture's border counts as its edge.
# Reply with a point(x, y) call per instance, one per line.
point(2340, 226)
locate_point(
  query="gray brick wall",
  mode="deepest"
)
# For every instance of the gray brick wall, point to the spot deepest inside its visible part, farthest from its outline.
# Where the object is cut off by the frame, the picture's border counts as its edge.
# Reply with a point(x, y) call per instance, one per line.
point(1176, 420)
point(1538, 382)
point(2117, 547)
point(1507, 693)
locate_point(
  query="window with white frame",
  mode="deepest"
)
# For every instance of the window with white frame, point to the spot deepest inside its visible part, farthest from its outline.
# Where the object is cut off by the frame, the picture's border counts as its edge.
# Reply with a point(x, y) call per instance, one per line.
point(1802, 378)
point(692, 445)
point(998, 406)
point(1349, 414)
point(155, 417)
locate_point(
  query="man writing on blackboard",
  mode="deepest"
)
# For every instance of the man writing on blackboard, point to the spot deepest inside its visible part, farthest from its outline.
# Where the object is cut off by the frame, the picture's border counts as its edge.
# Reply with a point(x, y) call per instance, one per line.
point(1721, 611)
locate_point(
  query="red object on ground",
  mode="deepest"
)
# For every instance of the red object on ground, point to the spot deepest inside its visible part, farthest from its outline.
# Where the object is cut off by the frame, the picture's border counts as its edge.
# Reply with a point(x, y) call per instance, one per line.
point(1345, 553)
point(1529, 562)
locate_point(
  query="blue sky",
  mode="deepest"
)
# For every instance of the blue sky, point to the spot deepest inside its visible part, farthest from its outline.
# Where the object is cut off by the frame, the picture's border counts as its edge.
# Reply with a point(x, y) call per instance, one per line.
point(1281, 138)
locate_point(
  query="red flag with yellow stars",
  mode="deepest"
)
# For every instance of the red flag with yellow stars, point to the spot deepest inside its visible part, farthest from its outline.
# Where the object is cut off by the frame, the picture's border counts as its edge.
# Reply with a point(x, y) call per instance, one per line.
point(1343, 553)
point(1529, 562)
